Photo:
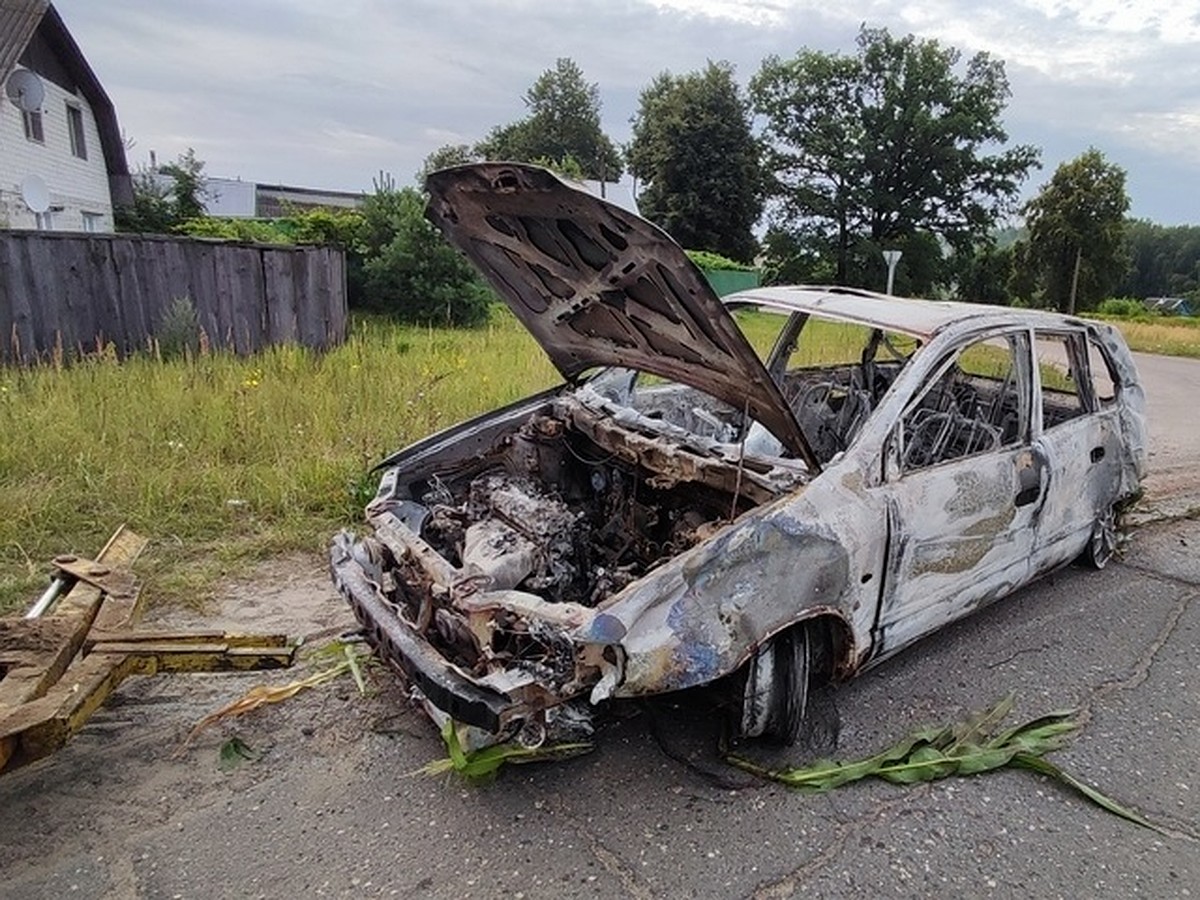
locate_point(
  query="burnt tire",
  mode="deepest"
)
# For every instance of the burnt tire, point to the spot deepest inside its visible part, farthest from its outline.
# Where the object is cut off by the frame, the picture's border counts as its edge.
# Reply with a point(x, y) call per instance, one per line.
point(1102, 542)
point(774, 690)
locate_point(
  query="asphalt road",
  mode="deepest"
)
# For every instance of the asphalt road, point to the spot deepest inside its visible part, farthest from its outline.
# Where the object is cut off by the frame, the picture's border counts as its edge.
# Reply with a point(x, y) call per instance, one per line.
point(331, 809)
point(1173, 407)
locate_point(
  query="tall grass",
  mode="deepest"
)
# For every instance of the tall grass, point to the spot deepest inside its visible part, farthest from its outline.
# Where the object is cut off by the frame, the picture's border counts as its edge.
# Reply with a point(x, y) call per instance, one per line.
point(219, 459)
point(1169, 337)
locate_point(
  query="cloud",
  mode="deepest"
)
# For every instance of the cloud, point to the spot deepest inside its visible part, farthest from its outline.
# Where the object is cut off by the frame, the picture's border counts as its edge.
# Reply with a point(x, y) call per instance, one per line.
point(328, 94)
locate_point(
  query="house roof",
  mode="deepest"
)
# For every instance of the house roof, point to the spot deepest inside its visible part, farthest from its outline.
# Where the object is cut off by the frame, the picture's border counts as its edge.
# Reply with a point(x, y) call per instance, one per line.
point(20, 20)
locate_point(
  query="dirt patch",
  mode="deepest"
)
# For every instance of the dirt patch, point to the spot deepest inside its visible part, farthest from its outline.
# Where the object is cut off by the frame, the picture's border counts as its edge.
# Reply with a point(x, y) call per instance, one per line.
point(289, 595)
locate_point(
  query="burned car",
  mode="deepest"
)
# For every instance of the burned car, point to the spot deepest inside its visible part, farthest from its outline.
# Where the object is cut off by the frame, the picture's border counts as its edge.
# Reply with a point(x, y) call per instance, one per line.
point(791, 484)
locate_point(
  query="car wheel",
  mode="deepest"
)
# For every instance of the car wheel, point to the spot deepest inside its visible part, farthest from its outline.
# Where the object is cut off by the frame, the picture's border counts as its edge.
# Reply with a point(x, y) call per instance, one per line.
point(774, 697)
point(1102, 545)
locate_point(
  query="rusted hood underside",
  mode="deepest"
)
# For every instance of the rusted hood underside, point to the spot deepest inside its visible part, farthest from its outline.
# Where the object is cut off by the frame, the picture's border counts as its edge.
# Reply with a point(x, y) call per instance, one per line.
point(598, 286)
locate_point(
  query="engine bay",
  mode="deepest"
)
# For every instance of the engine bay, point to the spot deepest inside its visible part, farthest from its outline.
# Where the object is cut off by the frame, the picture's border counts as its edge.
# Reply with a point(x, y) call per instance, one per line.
point(559, 516)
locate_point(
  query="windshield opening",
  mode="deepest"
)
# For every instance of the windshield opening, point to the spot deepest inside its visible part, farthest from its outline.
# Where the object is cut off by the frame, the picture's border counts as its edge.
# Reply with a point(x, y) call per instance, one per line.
point(832, 375)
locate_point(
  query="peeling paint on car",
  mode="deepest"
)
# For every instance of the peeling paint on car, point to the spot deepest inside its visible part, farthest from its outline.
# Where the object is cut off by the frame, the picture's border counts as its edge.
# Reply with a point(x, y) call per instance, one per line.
point(618, 536)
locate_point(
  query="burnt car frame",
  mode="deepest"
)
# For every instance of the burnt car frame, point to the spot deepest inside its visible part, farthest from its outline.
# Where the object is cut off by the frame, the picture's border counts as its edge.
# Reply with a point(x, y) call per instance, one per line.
point(684, 510)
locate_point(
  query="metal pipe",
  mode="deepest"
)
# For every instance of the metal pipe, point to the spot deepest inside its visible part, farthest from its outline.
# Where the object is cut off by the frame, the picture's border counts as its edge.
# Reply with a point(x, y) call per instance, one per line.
point(57, 587)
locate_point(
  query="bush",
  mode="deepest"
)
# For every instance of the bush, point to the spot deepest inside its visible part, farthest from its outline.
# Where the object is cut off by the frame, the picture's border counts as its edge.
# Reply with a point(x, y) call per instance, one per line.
point(409, 271)
point(178, 334)
point(1122, 308)
point(705, 259)
point(255, 231)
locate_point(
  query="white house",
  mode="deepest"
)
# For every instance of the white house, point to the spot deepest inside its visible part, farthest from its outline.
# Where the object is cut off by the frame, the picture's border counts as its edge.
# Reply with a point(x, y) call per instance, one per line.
point(68, 150)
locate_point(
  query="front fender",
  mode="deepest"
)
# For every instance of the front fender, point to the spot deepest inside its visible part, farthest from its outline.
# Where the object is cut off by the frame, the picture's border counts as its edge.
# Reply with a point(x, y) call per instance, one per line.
point(698, 617)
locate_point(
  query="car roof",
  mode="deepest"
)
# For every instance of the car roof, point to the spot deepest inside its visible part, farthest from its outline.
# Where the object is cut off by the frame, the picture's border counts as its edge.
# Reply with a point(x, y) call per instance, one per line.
point(919, 318)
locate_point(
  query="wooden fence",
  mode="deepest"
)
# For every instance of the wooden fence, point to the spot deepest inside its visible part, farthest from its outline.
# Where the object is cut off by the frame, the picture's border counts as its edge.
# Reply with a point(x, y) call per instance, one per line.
point(80, 292)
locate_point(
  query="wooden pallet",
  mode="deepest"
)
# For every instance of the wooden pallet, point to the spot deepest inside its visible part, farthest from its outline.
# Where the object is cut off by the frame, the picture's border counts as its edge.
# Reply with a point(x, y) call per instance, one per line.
point(59, 668)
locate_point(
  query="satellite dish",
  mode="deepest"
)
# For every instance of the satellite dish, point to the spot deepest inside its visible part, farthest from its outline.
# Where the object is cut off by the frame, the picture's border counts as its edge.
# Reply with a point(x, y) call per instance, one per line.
point(35, 194)
point(25, 90)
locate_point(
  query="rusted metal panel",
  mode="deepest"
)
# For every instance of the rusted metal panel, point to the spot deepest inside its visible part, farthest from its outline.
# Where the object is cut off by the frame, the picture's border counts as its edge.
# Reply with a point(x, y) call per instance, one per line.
point(597, 285)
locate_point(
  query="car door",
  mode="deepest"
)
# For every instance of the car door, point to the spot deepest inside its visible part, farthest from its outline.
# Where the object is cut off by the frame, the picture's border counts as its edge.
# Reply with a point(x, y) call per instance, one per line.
point(964, 486)
point(1076, 428)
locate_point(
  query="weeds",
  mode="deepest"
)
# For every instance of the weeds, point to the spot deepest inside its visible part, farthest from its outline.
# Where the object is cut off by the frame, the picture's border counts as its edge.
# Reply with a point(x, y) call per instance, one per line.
point(1168, 337)
point(222, 460)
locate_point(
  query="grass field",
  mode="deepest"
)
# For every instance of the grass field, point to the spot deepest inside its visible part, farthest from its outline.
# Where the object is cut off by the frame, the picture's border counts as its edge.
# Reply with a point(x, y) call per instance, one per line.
point(1176, 336)
point(221, 461)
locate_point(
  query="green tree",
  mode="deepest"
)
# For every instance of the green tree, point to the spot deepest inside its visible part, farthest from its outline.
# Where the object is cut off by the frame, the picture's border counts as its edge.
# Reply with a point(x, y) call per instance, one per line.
point(887, 143)
point(563, 121)
point(693, 147)
point(409, 271)
point(164, 199)
point(1076, 225)
point(445, 156)
point(984, 275)
point(1164, 261)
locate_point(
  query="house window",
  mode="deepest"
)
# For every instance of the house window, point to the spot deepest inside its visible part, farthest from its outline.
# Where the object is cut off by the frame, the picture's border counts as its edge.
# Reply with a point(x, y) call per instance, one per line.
point(92, 222)
point(75, 125)
point(32, 120)
point(44, 220)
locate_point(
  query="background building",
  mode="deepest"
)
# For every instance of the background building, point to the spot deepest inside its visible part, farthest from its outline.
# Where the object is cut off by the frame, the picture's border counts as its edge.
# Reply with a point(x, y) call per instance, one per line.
point(69, 148)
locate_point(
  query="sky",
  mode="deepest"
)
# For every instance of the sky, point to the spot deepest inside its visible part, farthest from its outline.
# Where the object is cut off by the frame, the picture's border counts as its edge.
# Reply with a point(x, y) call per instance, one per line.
point(331, 93)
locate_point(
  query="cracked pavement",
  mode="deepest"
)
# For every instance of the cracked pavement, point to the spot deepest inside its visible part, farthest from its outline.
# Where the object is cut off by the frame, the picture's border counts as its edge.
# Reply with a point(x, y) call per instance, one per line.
point(331, 808)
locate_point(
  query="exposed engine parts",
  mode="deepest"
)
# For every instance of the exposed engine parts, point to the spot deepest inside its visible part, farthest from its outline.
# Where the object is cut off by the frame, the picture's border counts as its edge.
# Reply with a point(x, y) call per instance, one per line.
point(584, 533)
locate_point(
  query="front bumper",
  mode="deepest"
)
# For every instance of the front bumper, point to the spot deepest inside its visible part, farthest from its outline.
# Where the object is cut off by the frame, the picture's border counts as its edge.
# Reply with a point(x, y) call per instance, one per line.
point(443, 684)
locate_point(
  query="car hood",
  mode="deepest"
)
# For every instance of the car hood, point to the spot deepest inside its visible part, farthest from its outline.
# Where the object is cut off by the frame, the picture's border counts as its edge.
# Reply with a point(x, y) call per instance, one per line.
point(599, 286)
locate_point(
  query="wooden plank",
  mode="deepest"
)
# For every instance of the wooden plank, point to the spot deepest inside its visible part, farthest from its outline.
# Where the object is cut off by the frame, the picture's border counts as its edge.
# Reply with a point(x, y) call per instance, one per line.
point(230, 639)
point(178, 284)
point(38, 282)
point(6, 300)
point(204, 285)
point(127, 285)
point(18, 333)
point(33, 654)
point(23, 691)
point(78, 323)
point(106, 293)
point(280, 293)
point(154, 296)
point(339, 310)
point(239, 274)
point(44, 725)
point(313, 296)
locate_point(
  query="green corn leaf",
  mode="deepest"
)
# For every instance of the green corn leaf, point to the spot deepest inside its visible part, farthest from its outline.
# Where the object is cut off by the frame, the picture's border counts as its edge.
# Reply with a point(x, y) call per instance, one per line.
point(458, 759)
point(483, 764)
point(970, 747)
point(352, 663)
point(1045, 767)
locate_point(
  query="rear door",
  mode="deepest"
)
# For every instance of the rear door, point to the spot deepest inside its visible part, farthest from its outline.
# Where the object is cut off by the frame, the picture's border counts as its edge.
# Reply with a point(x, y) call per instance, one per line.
point(1077, 430)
